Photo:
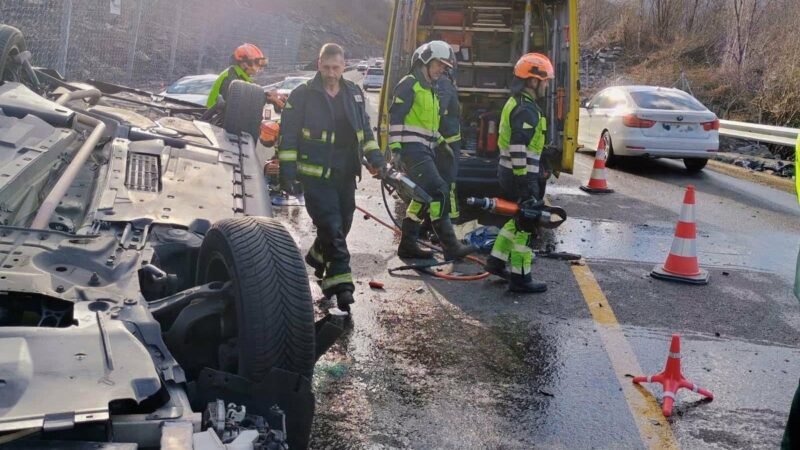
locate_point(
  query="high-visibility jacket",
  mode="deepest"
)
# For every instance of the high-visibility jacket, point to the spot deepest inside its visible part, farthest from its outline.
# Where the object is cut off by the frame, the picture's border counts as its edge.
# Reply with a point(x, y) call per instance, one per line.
point(522, 136)
point(220, 88)
point(308, 130)
point(414, 115)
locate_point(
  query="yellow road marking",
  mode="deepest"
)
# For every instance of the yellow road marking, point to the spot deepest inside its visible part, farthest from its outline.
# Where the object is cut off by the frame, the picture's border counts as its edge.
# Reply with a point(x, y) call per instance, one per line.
point(654, 429)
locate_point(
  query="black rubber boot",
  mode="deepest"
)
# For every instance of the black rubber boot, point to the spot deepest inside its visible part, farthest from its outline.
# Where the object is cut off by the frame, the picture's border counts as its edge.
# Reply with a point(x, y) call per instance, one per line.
point(319, 268)
point(453, 248)
point(497, 267)
point(525, 284)
point(343, 301)
point(409, 248)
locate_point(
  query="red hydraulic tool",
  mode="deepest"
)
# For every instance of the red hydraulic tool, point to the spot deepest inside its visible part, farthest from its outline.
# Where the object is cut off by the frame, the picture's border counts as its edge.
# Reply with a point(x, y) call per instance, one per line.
point(529, 212)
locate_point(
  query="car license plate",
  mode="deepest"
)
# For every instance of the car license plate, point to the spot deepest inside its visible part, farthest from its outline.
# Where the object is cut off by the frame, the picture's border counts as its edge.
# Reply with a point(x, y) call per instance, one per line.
point(678, 127)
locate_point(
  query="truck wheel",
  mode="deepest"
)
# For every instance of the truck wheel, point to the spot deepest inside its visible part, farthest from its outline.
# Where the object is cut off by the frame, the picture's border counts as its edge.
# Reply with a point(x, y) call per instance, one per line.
point(694, 165)
point(244, 109)
point(11, 44)
point(269, 322)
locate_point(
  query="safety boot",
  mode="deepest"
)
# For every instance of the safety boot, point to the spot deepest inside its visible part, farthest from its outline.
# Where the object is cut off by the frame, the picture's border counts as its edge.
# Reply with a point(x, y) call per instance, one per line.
point(525, 284)
point(497, 267)
point(343, 301)
point(319, 267)
point(452, 247)
point(409, 247)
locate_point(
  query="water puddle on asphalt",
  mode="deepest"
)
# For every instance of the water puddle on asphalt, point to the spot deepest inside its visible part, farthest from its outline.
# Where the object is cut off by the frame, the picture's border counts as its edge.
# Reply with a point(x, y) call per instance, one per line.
point(650, 243)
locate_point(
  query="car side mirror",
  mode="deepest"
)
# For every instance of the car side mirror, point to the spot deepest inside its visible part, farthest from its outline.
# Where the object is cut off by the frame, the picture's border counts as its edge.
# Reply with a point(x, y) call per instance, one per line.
point(585, 104)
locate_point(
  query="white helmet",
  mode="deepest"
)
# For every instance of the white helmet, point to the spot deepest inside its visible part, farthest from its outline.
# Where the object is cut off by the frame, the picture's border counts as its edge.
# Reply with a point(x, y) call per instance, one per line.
point(429, 51)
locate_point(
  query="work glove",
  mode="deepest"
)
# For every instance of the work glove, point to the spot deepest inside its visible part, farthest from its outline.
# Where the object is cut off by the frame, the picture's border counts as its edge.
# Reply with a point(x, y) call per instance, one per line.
point(522, 187)
point(276, 100)
point(376, 163)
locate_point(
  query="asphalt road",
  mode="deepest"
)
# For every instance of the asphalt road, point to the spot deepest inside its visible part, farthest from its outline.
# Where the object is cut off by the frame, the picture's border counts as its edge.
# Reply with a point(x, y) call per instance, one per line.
point(429, 363)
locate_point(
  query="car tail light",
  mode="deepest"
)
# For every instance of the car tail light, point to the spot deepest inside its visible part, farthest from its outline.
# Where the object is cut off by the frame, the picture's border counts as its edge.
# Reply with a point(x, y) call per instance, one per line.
point(711, 126)
point(632, 121)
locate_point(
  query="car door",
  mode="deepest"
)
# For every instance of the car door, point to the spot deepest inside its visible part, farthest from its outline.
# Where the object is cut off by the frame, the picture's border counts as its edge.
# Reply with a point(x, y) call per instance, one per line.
point(590, 116)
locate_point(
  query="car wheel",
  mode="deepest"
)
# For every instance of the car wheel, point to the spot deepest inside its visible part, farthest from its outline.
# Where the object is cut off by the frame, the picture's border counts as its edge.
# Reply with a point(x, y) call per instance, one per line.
point(269, 321)
point(611, 158)
point(12, 43)
point(244, 109)
point(694, 165)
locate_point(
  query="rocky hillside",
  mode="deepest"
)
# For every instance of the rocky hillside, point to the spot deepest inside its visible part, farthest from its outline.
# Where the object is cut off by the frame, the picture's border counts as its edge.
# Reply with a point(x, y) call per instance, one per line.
point(358, 25)
point(733, 55)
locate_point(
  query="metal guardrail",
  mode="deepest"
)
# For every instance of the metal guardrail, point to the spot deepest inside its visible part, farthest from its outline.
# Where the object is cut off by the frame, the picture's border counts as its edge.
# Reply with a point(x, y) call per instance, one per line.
point(757, 132)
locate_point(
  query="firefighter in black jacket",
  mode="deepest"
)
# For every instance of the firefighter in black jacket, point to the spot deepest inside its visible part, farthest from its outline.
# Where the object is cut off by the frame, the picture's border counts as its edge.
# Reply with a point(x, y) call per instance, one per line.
point(325, 130)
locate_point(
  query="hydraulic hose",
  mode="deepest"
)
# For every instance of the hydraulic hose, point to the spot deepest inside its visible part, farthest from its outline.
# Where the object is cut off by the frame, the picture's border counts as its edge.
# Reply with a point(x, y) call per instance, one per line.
point(396, 230)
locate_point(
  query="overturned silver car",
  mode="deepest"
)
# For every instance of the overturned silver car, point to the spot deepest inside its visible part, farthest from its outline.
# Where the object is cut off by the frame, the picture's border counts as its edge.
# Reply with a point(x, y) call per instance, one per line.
point(146, 296)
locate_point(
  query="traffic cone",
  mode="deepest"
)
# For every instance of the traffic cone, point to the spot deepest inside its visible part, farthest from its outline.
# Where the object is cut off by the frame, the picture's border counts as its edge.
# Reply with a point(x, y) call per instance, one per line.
point(672, 379)
point(681, 264)
point(597, 181)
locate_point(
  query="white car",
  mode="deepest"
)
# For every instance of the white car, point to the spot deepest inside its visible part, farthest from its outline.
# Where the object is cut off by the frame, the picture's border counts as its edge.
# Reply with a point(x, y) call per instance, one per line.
point(362, 66)
point(193, 88)
point(373, 79)
point(651, 122)
point(288, 84)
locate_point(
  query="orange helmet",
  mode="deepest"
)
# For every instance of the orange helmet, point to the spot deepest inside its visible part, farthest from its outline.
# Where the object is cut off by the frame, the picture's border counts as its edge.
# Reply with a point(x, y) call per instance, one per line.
point(534, 65)
point(249, 53)
point(269, 132)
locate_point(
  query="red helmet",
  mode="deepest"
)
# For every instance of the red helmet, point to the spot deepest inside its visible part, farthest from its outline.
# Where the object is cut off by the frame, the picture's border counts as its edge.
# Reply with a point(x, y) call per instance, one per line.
point(250, 54)
point(534, 65)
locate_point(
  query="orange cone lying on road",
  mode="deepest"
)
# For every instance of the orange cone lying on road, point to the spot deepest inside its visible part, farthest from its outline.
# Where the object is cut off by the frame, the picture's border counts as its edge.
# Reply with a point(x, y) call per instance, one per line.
point(681, 264)
point(597, 180)
point(672, 379)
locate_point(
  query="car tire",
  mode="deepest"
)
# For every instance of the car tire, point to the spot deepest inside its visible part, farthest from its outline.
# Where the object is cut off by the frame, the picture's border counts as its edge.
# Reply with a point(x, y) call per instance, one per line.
point(11, 43)
point(694, 165)
point(273, 304)
point(244, 109)
point(611, 158)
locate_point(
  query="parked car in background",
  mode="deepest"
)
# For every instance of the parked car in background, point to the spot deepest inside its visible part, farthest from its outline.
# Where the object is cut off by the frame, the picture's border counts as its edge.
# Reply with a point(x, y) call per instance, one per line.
point(286, 86)
point(651, 122)
point(283, 88)
point(192, 88)
point(362, 66)
point(373, 79)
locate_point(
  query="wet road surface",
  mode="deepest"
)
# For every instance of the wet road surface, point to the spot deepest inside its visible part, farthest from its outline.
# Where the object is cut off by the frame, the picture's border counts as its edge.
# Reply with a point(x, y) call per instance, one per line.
point(429, 363)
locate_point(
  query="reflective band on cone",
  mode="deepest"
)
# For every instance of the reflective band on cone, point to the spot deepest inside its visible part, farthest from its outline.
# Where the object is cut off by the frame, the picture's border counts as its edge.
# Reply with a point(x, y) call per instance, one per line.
point(682, 264)
point(597, 180)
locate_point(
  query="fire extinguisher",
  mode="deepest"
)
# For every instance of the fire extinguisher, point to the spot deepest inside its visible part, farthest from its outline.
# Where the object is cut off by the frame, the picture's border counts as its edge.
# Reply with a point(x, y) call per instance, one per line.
point(487, 136)
point(491, 137)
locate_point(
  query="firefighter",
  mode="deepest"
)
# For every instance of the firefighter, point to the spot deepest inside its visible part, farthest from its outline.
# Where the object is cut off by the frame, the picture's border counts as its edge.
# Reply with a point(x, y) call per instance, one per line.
point(450, 129)
point(521, 142)
point(247, 60)
point(325, 131)
point(414, 134)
